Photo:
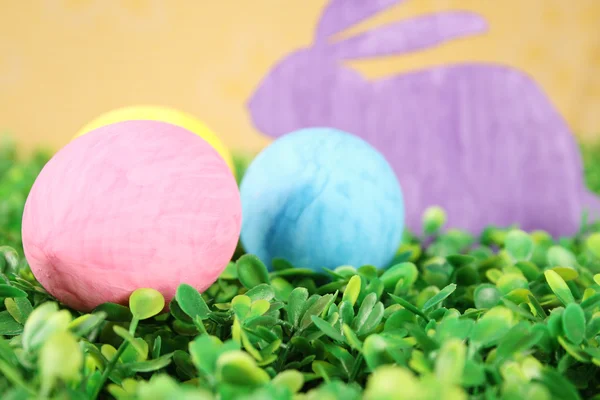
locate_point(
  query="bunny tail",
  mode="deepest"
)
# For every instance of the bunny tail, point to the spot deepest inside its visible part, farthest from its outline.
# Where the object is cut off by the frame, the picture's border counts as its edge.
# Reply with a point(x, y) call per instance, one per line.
point(341, 14)
point(591, 205)
point(413, 34)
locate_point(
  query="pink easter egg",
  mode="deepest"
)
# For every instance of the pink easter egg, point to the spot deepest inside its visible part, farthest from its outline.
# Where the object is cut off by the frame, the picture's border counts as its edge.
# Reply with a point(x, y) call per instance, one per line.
point(130, 205)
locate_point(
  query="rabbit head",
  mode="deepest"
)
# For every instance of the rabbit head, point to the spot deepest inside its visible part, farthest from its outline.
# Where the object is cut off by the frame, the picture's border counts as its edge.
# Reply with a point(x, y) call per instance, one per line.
point(307, 87)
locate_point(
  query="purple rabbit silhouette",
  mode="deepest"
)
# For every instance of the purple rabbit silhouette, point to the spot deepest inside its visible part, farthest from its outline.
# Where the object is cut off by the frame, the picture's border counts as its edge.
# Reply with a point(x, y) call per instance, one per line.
point(480, 140)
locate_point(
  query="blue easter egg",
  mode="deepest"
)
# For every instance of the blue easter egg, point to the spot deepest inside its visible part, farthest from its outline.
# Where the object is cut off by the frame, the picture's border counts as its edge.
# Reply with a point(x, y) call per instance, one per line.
point(321, 197)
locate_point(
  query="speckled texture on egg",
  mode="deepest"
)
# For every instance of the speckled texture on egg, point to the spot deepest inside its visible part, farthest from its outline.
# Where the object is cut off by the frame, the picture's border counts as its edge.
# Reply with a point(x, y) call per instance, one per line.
point(321, 197)
point(132, 204)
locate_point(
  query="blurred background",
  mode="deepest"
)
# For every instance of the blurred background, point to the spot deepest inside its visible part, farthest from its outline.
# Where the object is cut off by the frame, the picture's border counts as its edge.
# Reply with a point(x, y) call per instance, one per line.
point(64, 62)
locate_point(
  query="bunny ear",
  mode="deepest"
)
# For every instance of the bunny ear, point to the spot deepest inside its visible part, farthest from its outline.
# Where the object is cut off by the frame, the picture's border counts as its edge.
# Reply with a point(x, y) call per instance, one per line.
point(341, 14)
point(410, 35)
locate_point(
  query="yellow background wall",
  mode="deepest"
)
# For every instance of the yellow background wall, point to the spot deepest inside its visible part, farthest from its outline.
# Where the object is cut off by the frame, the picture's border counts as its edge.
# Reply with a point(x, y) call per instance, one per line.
point(63, 62)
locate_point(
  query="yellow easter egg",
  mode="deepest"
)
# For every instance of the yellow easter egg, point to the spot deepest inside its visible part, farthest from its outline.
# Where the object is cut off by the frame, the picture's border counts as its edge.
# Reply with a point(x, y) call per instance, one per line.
point(163, 114)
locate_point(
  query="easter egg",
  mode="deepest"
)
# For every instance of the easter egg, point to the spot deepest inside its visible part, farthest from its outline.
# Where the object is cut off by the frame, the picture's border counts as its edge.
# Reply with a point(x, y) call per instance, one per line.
point(135, 204)
point(321, 198)
point(164, 114)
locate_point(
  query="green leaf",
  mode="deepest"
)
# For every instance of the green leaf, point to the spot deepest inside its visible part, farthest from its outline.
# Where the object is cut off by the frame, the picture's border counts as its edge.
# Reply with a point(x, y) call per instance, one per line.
point(364, 311)
point(369, 272)
point(574, 351)
point(124, 333)
point(137, 351)
point(315, 309)
point(486, 295)
point(330, 287)
point(537, 306)
point(434, 219)
point(150, 365)
point(290, 379)
point(385, 382)
point(184, 364)
point(191, 302)
point(375, 352)
point(238, 368)
point(44, 321)
point(593, 328)
point(511, 282)
point(558, 385)
point(205, 351)
point(327, 329)
point(492, 326)
point(327, 370)
point(295, 305)
point(427, 344)
point(460, 260)
point(146, 303)
point(558, 256)
point(591, 302)
point(251, 271)
point(241, 305)
point(84, 324)
point(156, 346)
point(60, 358)
point(114, 312)
point(351, 338)
point(20, 308)
point(439, 297)
point(352, 290)
point(518, 339)
point(282, 288)
point(530, 270)
point(404, 274)
point(294, 272)
point(163, 387)
point(573, 319)
point(450, 362)
point(281, 264)
point(346, 312)
point(9, 258)
point(21, 391)
point(230, 272)
point(8, 325)
point(593, 244)
point(373, 320)
point(593, 352)
point(559, 287)
point(397, 320)
point(11, 291)
point(261, 292)
point(346, 361)
point(7, 353)
point(258, 308)
point(409, 306)
point(522, 311)
point(554, 322)
point(474, 374)
point(453, 328)
point(375, 286)
point(567, 273)
point(519, 245)
point(176, 311)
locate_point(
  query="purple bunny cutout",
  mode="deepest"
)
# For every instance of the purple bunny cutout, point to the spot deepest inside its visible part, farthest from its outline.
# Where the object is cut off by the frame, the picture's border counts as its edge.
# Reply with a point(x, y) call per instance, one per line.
point(480, 140)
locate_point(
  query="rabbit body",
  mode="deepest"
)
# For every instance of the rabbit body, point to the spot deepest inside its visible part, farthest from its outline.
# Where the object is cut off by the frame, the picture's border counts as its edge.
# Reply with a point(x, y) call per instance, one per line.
point(480, 140)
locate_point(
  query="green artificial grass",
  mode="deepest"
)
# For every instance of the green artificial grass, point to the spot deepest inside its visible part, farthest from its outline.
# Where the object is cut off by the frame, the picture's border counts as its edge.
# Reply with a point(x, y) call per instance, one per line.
point(505, 315)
